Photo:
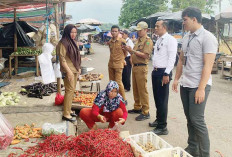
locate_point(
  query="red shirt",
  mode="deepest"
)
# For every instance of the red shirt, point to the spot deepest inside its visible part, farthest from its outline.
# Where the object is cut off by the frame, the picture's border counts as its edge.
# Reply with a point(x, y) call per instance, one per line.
point(96, 110)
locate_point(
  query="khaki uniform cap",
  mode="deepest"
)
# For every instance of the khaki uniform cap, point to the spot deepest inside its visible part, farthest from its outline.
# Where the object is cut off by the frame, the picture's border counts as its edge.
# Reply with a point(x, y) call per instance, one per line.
point(141, 25)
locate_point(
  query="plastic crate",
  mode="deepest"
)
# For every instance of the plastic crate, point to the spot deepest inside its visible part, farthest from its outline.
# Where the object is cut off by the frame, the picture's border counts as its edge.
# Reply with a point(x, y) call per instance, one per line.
point(171, 152)
point(144, 138)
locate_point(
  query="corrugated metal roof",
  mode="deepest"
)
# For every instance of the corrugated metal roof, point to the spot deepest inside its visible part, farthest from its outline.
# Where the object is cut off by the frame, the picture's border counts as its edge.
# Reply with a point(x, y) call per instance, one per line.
point(17, 3)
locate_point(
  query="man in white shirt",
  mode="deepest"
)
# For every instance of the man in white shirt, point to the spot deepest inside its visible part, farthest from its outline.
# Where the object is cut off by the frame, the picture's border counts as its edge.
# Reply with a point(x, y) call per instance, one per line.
point(126, 74)
point(164, 57)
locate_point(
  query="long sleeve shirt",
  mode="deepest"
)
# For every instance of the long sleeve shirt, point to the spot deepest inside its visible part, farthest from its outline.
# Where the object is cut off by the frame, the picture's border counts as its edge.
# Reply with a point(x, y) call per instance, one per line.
point(96, 110)
point(165, 51)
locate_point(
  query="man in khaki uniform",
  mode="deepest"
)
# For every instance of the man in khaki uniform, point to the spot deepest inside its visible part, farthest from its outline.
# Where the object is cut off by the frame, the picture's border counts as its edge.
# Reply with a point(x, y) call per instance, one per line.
point(140, 57)
point(116, 61)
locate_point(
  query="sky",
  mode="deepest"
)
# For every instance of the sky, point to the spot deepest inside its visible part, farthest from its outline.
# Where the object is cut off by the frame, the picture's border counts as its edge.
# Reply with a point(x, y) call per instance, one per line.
point(106, 11)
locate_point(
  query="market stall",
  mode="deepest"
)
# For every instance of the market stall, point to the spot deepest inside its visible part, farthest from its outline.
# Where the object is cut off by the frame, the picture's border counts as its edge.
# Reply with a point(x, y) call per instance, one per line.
point(224, 36)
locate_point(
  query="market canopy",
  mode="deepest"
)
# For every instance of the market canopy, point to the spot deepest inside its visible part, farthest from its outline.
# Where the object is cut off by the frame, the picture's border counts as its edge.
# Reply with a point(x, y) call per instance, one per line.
point(225, 15)
point(17, 3)
point(89, 21)
point(85, 28)
point(177, 16)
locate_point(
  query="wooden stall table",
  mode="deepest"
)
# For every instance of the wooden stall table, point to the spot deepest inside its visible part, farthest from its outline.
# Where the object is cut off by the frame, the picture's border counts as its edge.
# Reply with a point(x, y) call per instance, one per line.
point(223, 72)
point(16, 63)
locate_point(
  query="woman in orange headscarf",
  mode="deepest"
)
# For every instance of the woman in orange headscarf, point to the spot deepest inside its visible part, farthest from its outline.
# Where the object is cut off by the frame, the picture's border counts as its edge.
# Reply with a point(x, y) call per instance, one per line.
point(70, 61)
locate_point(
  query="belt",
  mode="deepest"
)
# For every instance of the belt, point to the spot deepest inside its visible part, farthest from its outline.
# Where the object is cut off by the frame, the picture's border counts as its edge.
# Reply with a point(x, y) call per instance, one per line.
point(156, 69)
point(140, 64)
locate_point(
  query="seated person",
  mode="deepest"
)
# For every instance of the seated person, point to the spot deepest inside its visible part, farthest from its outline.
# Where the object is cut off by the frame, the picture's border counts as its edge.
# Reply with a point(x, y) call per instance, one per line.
point(109, 106)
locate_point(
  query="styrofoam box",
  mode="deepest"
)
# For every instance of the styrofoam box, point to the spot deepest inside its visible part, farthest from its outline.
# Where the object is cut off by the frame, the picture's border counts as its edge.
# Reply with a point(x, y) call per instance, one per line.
point(143, 139)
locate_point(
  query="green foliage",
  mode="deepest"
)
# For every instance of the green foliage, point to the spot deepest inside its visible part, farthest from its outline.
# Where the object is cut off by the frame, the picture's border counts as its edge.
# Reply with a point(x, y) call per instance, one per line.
point(135, 9)
point(106, 26)
point(205, 6)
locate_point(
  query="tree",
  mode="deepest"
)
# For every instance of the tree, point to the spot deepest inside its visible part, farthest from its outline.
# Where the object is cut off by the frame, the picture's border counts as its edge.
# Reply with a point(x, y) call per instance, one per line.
point(135, 9)
point(205, 6)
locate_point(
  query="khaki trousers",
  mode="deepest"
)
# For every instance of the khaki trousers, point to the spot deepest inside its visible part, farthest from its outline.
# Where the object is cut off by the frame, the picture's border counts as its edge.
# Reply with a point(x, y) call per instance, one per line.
point(115, 74)
point(139, 81)
point(70, 87)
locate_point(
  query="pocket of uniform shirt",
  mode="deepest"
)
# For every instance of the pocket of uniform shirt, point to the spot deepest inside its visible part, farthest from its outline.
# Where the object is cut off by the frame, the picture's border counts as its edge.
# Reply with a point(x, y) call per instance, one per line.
point(140, 47)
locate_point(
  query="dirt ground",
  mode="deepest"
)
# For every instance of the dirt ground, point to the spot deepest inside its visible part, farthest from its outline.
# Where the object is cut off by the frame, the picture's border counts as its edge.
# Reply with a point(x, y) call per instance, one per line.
point(218, 112)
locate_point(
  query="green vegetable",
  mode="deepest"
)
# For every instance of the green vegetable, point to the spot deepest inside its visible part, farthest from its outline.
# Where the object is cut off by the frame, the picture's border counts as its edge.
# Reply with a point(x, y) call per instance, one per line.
point(23, 90)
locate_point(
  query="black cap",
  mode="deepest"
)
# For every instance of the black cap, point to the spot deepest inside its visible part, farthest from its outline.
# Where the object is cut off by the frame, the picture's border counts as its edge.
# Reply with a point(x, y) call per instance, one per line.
point(125, 32)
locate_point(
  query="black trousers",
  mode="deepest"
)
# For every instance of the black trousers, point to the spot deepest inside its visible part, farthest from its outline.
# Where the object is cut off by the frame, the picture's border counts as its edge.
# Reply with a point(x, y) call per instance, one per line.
point(126, 74)
point(161, 94)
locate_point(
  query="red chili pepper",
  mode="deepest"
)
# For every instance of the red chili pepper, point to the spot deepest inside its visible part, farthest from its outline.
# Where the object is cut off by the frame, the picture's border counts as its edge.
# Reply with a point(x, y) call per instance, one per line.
point(17, 148)
point(12, 155)
point(34, 141)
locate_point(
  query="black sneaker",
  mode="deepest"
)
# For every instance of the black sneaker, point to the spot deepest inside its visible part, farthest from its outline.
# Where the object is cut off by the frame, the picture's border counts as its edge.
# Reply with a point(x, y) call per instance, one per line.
point(133, 111)
point(153, 124)
point(142, 117)
point(159, 131)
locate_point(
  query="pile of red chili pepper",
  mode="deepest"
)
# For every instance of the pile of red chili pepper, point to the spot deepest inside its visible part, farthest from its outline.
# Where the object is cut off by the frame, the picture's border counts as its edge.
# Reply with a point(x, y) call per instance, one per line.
point(99, 143)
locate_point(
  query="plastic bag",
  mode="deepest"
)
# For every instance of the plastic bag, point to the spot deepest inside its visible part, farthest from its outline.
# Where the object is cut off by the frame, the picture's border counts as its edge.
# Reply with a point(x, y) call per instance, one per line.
point(56, 67)
point(50, 129)
point(2, 61)
point(117, 127)
point(6, 132)
point(59, 99)
point(45, 63)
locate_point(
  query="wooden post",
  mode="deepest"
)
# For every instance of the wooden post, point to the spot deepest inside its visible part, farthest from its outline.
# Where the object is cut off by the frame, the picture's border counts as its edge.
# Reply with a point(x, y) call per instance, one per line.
point(57, 18)
point(217, 34)
point(37, 65)
point(64, 13)
point(15, 43)
point(0, 53)
point(15, 32)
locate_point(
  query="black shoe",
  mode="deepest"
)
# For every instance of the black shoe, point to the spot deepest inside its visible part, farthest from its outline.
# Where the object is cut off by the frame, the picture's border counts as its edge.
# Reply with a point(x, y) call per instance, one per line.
point(133, 111)
point(159, 131)
point(73, 114)
point(192, 152)
point(69, 119)
point(153, 124)
point(142, 117)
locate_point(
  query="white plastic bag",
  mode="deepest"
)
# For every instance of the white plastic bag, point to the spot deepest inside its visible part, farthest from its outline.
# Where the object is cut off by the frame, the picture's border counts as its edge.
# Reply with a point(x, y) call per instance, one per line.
point(56, 67)
point(50, 129)
point(45, 62)
point(6, 132)
point(2, 61)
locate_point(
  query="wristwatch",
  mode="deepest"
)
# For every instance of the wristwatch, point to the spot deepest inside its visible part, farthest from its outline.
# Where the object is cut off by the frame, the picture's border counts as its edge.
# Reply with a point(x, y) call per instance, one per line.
point(166, 74)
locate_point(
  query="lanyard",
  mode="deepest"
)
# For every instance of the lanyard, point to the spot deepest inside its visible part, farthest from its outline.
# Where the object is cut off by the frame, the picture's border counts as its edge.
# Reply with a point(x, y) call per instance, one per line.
point(158, 48)
point(189, 43)
point(190, 40)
